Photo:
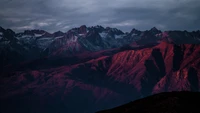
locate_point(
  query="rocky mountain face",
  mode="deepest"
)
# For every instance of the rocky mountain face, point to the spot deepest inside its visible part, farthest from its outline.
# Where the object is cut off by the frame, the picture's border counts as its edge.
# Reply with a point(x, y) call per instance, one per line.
point(88, 69)
point(171, 102)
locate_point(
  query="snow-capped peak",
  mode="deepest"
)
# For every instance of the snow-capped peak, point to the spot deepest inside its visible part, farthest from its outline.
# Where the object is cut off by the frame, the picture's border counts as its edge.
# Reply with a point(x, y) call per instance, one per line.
point(155, 30)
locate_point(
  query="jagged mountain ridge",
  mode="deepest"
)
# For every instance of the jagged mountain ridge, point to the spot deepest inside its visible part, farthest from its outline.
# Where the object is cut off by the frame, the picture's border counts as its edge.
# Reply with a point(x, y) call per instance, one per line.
point(36, 44)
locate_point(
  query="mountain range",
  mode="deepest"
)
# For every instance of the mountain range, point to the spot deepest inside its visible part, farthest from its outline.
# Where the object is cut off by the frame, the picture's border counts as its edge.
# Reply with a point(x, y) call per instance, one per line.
point(88, 69)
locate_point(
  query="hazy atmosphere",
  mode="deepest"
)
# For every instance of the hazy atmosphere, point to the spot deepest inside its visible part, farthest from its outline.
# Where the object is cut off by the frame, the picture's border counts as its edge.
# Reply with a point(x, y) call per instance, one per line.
point(54, 15)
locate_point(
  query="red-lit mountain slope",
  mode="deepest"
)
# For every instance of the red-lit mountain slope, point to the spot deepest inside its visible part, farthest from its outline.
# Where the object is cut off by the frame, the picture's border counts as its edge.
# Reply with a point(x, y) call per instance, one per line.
point(102, 82)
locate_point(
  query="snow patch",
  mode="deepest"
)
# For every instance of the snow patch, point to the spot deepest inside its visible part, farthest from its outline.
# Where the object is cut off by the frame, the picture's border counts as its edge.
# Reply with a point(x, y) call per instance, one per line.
point(45, 38)
point(26, 36)
point(81, 34)
point(58, 37)
point(134, 34)
point(43, 43)
point(1, 33)
point(87, 30)
point(103, 35)
point(118, 36)
point(72, 39)
point(26, 39)
point(114, 29)
point(38, 35)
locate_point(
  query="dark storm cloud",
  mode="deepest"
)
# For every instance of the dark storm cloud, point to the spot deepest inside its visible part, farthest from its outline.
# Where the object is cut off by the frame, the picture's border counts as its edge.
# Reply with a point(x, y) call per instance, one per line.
point(54, 15)
point(177, 15)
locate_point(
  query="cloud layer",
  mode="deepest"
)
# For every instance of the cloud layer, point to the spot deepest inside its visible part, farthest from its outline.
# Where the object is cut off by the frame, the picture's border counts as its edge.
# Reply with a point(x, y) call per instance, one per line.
point(54, 15)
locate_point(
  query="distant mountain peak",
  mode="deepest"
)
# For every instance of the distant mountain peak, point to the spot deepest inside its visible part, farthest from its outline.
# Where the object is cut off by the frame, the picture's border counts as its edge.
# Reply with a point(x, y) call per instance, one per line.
point(98, 26)
point(154, 30)
point(83, 26)
point(83, 29)
point(135, 31)
point(38, 31)
point(114, 30)
point(10, 31)
point(1, 28)
point(58, 33)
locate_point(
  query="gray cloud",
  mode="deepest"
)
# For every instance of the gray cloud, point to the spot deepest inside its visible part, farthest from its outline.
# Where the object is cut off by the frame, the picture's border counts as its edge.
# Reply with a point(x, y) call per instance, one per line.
point(54, 15)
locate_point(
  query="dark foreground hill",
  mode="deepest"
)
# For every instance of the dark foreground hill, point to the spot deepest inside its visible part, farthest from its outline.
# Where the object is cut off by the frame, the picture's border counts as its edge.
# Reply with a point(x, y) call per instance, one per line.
point(168, 102)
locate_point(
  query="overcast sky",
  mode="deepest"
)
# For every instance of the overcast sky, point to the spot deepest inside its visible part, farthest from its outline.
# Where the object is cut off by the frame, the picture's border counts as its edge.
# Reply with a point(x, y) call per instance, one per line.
point(54, 15)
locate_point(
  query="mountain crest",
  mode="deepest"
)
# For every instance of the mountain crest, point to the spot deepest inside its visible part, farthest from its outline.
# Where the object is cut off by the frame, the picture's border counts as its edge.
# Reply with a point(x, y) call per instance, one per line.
point(58, 33)
point(1, 28)
point(83, 29)
point(135, 31)
point(154, 30)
